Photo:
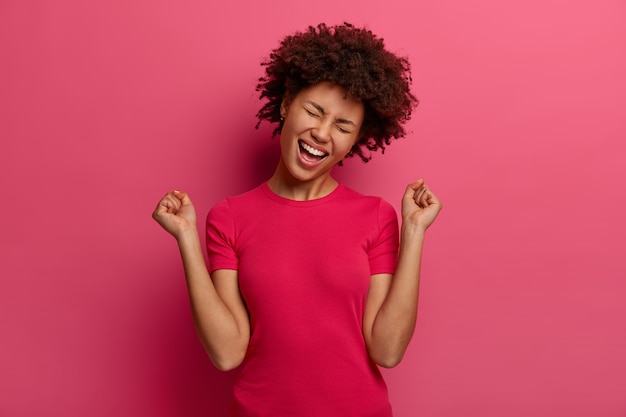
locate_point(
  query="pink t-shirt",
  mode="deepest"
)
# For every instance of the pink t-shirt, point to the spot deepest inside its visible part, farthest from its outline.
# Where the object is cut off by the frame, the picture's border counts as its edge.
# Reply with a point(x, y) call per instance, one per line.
point(304, 270)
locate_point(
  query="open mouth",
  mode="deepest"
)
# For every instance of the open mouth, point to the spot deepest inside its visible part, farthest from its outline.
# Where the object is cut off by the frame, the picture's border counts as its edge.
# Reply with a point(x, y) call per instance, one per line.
point(310, 153)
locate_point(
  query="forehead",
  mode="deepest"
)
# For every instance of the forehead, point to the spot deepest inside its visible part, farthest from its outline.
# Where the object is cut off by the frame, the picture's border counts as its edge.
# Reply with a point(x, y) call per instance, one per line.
point(331, 97)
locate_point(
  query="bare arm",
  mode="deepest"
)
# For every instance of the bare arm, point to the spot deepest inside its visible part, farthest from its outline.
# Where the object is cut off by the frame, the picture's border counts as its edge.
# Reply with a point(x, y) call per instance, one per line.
point(219, 313)
point(391, 306)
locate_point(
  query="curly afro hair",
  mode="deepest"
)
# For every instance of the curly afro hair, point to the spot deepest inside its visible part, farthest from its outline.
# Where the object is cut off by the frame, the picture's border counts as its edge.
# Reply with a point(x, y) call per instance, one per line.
point(353, 58)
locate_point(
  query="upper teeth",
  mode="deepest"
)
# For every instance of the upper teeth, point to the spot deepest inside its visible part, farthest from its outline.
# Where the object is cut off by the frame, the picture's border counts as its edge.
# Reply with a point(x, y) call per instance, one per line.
point(312, 150)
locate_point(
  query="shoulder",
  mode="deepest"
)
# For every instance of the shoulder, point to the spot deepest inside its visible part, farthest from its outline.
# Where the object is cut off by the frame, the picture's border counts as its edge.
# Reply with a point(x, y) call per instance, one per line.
point(366, 210)
point(235, 203)
point(227, 216)
point(366, 201)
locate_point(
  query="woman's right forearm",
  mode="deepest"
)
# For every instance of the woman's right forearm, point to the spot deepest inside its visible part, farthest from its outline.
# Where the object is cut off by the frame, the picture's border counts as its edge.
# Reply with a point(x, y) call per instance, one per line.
point(223, 333)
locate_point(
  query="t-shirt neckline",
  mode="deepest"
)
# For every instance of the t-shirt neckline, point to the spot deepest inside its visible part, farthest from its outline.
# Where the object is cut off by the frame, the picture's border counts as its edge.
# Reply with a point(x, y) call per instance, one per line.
point(301, 203)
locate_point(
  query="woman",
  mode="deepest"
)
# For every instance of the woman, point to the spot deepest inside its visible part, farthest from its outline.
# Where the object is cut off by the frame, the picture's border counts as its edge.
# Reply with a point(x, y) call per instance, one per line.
point(310, 286)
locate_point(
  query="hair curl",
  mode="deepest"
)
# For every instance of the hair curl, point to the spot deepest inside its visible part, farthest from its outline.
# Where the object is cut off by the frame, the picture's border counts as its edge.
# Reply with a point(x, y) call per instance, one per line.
point(353, 58)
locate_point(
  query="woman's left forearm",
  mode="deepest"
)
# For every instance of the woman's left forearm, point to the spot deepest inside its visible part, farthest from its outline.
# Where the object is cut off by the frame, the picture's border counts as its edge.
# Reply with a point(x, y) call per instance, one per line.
point(390, 318)
point(395, 322)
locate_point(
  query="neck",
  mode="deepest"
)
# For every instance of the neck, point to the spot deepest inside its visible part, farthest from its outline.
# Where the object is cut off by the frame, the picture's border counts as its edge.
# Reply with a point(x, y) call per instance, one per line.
point(285, 185)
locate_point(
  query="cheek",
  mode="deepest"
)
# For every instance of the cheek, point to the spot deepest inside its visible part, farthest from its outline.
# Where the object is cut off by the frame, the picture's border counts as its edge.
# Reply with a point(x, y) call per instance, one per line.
point(350, 143)
point(286, 130)
point(286, 138)
point(290, 125)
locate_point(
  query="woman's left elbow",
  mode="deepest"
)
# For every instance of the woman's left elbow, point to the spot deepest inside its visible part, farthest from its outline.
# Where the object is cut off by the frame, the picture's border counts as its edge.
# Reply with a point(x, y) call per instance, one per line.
point(388, 361)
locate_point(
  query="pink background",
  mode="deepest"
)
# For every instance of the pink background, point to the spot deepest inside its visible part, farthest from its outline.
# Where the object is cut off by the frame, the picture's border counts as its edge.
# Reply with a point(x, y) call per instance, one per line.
point(521, 130)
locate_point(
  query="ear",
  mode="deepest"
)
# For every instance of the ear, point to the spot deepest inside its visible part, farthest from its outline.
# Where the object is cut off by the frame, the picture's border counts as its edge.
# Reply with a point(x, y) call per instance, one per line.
point(284, 105)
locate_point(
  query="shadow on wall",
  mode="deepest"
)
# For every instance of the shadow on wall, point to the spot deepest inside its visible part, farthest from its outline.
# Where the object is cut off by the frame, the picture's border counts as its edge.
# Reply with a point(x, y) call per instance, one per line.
point(259, 159)
point(189, 384)
point(185, 381)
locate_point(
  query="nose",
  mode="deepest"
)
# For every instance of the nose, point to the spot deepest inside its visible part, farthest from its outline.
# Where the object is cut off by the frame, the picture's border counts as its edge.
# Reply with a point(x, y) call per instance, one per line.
point(321, 132)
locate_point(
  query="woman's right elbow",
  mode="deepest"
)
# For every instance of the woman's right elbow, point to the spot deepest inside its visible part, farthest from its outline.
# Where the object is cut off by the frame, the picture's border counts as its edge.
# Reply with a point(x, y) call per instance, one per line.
point(227, 364)
point(226, 356)
point(227, 360)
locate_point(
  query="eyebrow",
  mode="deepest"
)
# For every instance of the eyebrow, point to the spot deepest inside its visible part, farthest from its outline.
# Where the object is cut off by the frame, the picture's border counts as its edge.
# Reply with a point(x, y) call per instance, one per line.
point(321, 110)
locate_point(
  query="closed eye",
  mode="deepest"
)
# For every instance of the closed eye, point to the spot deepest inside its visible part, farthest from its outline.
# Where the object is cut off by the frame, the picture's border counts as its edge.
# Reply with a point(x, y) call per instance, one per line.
point(310, 113)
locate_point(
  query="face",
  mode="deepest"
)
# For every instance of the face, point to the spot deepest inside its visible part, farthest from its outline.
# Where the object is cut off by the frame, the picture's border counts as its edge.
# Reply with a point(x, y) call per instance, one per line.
point(321, 126)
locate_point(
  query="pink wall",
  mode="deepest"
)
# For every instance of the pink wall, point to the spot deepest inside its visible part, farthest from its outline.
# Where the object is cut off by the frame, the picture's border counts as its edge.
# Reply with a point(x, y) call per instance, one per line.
point(521, 130)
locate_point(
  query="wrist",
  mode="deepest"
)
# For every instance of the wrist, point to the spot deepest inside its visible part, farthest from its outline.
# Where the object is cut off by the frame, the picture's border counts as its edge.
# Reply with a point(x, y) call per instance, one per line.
point(412, 230)
point(412, 239)
point(188, 235)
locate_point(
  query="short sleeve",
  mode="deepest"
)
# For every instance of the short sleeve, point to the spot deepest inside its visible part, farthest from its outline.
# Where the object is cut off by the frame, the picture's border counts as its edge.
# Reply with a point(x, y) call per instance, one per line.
point(383, 253)
point(220, 238)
